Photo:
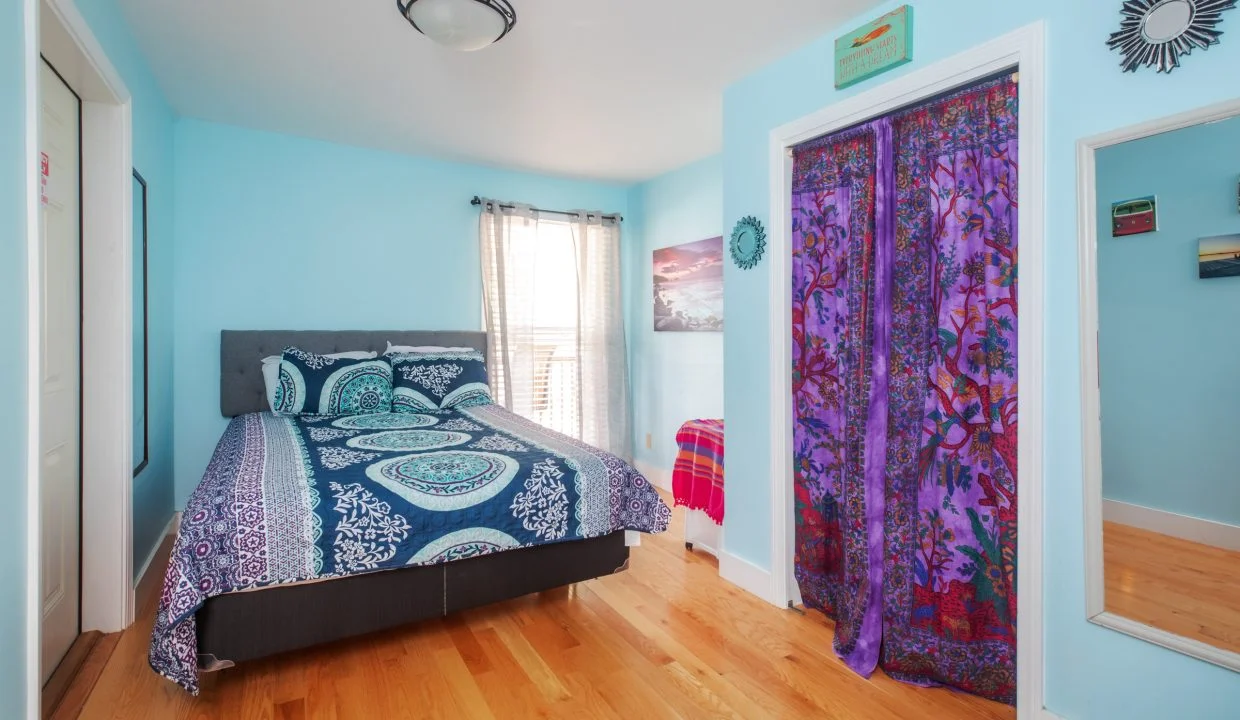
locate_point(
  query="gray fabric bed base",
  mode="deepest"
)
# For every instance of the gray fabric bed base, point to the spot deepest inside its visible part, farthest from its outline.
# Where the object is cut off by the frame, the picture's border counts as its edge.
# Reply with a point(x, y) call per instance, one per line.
point(242, 353)
point(247, 626)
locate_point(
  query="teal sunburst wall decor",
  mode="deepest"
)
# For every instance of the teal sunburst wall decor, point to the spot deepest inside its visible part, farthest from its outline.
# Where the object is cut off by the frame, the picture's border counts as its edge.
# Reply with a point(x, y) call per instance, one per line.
point(748, 243)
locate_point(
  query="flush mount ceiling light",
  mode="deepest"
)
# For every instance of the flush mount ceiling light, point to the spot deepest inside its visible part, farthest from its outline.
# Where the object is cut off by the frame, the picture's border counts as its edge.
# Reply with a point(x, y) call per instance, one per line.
point(460, 24)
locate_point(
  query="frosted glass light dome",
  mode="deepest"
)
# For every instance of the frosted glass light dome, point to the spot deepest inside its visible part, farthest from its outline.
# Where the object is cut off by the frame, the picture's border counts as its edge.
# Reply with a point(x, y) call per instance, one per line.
point(466, 25)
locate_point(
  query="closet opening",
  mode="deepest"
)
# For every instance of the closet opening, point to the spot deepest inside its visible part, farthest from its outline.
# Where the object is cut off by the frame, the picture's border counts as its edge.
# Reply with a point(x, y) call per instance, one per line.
point(86, 587)
point(908, 442)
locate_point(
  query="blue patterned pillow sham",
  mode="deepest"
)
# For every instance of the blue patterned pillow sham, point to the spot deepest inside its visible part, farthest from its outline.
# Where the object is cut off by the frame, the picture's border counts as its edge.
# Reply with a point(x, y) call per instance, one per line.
point(438, 381)
point(321, 385)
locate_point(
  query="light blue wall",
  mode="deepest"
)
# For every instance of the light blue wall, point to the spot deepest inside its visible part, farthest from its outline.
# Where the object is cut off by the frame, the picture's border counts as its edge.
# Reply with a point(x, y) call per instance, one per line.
point(676, 376)
point(278, 232)
point(1091, 672)
point(153, 157)
point(1170, 341)
point(16, 179)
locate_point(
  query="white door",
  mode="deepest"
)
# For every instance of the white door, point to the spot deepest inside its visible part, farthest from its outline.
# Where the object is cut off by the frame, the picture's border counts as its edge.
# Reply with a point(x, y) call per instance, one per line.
point(59, 375)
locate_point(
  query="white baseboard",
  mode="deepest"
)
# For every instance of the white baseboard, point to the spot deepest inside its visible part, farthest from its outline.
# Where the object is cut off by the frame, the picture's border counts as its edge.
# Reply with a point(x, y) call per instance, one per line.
point(1185, 527)
point(747, 576)
point(657, 476)
point(174, 525)
point(1048, 715)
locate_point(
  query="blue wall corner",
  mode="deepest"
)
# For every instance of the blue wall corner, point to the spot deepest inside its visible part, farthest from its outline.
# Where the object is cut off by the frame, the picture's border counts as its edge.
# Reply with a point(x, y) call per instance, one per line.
point(280, 232)
point(676, 376)
point(153, 122)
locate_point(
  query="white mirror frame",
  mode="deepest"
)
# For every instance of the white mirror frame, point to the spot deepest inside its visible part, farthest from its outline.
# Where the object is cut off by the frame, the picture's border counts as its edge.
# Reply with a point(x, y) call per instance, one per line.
point(1091, 426)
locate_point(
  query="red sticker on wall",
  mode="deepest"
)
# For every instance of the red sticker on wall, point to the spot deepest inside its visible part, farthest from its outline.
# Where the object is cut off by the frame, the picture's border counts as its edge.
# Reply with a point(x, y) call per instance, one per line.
point(45, 169)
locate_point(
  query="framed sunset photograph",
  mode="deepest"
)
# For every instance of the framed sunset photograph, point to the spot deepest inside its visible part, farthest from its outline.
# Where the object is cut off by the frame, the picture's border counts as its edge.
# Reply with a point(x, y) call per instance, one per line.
point(1218, 256)
point(688, 287)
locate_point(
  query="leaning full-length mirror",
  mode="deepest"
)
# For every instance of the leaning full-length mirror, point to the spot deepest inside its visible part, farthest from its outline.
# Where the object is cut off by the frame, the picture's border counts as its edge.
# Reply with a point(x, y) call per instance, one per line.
point(1161, 291)
point(140, 402)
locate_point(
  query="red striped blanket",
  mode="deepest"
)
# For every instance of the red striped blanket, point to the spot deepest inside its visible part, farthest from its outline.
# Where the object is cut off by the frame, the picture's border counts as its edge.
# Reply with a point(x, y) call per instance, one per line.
point(697, 481)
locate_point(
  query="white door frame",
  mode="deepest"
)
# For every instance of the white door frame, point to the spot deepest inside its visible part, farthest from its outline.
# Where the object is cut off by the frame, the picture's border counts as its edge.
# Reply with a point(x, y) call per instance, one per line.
point(1091, 394)
point(57, 29)
point(1025, 50)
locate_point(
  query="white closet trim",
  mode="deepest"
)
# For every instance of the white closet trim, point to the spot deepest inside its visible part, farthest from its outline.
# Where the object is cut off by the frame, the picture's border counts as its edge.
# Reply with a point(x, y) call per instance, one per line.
point(57, 29)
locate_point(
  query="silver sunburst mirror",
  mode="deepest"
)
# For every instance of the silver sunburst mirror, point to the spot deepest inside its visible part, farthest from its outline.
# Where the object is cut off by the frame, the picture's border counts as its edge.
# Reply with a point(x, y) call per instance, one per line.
point(1155, 33)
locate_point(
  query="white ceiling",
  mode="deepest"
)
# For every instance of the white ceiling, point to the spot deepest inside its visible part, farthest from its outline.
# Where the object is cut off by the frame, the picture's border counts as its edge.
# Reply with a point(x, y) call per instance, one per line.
point(607, 89)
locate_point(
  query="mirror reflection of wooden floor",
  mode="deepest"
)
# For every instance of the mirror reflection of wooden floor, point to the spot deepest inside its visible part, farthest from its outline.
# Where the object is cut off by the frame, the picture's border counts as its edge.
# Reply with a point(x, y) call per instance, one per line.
point(666, 639)
point(1175, 585)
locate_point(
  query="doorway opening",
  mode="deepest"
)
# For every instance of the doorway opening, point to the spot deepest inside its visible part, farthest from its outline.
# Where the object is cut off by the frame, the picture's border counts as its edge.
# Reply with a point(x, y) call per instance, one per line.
point(60, 381)
point(65, 42)
point(1024, 52)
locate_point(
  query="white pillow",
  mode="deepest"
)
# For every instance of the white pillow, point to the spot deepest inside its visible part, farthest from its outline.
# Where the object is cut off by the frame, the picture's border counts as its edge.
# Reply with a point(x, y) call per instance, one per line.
point(271, 370)
point(405, 349)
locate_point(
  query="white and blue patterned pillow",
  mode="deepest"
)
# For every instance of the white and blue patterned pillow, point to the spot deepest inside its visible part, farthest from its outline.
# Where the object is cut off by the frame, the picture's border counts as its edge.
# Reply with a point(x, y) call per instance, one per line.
point(438, 381)
point(271, 370)
point(312, 384)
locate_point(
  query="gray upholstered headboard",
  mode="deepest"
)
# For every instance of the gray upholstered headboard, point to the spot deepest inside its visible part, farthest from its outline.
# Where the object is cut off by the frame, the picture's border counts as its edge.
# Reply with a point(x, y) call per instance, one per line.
point(242, 353)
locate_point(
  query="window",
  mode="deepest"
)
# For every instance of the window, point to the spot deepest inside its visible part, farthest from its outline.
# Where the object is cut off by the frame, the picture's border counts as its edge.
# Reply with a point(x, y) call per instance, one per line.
point(548, 348)
point(555, 324)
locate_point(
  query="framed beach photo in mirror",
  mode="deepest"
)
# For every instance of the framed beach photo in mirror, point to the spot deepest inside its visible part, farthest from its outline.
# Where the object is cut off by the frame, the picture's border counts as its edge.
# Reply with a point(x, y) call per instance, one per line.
point(1218, 256)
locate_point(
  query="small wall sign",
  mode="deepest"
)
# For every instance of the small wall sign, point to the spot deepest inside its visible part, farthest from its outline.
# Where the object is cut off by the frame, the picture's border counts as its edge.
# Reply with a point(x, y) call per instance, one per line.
point(874, 48)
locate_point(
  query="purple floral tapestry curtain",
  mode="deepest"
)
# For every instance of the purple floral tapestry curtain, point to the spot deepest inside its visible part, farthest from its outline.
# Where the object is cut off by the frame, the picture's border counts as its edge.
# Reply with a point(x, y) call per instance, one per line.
point(833, 209)
point(904, 334)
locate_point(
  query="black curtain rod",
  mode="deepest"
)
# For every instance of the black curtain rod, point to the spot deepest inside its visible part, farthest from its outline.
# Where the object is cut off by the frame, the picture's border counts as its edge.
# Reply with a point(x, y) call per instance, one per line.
point(618, 218)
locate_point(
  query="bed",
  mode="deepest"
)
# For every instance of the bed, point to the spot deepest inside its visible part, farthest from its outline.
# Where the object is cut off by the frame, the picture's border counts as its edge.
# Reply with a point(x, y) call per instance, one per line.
point(313, 529)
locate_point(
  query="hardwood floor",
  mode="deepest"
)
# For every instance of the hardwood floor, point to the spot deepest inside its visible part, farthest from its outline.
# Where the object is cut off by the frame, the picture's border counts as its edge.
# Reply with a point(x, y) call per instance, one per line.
point(1172, 584)
point(66, 701)
point(666, 639)
point(63, 678)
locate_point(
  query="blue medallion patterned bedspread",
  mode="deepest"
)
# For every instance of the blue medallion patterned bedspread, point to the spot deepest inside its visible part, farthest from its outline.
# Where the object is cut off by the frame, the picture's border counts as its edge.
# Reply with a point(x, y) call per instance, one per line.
point(291, 499)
